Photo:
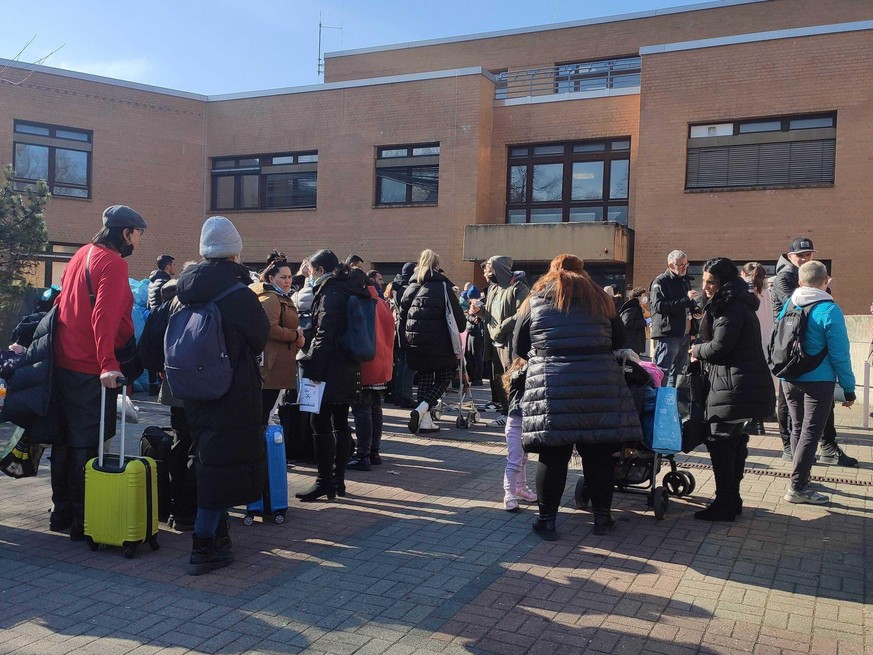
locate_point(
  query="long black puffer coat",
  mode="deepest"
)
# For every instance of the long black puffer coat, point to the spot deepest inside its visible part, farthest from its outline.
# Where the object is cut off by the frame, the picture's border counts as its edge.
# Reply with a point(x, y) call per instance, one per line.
point(324, 360)
point(740, 384)
point(227, 432)
point(423, 327)
point(575, 390)
point(634, 322)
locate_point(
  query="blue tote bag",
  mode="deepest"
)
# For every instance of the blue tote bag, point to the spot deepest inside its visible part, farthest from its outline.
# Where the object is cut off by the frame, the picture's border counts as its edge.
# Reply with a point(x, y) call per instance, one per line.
point(662, 429)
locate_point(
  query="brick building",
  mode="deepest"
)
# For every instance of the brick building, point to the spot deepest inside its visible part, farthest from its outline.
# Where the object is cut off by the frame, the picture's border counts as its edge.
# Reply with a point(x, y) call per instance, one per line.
point(723, 128)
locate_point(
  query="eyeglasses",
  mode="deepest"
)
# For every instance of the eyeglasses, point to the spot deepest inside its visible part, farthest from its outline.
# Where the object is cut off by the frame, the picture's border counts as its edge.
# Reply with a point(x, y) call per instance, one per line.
point(138, 230)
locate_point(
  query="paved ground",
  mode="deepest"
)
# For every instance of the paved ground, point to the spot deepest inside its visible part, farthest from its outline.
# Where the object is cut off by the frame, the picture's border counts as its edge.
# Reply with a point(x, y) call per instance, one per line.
point(421, 558)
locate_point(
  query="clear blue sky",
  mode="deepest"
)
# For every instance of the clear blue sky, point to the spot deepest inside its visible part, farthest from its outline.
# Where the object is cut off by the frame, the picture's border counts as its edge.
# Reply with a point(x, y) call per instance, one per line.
point(227, 46)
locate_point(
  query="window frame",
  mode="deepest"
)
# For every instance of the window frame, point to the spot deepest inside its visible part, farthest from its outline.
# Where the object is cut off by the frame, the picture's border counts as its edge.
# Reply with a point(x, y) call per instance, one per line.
point(238, 170)
point(567, 204)
point(826, 136)
point(53, 143)
point(409, 161)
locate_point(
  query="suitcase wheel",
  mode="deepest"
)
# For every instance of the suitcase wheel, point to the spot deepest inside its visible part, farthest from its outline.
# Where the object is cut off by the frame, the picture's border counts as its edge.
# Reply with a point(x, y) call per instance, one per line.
point(93, 545)
point(128, 550)
point(279, 518)
point(248, 519)
point(153, 543)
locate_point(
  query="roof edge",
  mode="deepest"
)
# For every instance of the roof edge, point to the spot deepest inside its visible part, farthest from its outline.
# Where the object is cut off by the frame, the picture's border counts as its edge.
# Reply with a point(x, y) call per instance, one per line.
point(88, 77)
point(652, 13)
point(792, 33)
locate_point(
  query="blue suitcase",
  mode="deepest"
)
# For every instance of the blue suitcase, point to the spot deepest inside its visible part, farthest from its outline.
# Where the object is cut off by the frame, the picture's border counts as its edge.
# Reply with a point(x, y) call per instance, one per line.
point(275, 500)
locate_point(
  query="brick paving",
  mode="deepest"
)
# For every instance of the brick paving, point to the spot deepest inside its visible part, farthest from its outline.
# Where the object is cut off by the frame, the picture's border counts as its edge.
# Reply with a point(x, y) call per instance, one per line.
point(421, 558)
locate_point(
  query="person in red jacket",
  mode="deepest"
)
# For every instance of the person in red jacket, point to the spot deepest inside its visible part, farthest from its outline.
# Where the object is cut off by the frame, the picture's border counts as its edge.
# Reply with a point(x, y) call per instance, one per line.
point(375, 375)
point(91, 324)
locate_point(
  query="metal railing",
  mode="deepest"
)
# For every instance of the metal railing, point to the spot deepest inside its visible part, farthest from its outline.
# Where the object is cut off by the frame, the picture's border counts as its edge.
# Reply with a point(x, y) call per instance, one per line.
point(568, 78)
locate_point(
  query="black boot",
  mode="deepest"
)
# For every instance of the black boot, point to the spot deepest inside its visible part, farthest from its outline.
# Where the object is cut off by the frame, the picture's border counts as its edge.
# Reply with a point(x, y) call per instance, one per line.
point(603, 521)
point(722, 449)
point(206, 557)
point(222, 536)
point(325, 453)
point(740, 455)
point(544, 525)
point(375, 458)
point(343, 450)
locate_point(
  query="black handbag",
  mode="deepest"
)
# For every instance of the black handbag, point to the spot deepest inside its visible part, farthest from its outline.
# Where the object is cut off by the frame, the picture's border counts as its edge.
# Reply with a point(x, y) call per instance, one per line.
point(127, 355)
point(691, 390)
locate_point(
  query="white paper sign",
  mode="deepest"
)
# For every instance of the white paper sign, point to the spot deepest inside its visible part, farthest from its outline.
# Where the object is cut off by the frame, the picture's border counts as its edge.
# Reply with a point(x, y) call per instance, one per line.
point(311, 394)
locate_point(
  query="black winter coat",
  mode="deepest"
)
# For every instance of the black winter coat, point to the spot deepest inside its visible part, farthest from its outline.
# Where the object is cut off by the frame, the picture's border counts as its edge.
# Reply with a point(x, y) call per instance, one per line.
point(634, 322)
point(729, 345)
point(157, 279)
point(423, 328)
point(575, 390)
point(227, 433)
point(30, 401)
point(324, 360)
point(784, 284)
point(670, 301)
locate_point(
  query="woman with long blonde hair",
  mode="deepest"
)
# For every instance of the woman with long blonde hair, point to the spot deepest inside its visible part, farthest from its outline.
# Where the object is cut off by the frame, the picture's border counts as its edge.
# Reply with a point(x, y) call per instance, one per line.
point(575, 393)
point(426, 338)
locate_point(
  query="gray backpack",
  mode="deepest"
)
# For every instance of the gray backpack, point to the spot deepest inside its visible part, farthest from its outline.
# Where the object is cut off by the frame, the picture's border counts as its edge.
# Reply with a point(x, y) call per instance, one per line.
point(196, 364)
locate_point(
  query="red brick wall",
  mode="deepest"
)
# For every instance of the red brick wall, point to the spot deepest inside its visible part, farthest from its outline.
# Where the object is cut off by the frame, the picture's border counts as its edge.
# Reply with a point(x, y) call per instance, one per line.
point(597, 41)
point(346, 126)
point(821, 73)
point(147, 153)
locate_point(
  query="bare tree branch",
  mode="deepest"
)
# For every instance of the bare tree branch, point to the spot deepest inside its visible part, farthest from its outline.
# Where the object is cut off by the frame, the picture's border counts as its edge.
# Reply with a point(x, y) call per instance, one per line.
point(38, 62)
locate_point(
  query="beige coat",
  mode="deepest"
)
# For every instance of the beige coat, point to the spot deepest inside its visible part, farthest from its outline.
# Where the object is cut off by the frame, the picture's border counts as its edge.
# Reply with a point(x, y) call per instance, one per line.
point(278, 365)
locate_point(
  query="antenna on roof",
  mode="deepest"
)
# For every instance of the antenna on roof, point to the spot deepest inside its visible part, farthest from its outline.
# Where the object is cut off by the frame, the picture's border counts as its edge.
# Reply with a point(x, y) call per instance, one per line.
point(321, 28)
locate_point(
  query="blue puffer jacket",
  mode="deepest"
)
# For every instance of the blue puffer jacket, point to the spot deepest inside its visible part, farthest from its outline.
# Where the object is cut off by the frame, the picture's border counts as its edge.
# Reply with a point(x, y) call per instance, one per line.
point(826, 326)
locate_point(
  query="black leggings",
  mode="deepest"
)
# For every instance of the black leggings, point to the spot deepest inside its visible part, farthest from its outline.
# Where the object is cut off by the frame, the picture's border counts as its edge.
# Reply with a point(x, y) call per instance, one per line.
point(268, 398)
point(332, 439)
point(598, 467)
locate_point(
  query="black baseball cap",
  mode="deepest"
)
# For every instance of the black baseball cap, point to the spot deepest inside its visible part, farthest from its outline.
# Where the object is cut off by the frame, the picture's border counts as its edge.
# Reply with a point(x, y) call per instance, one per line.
point(801, 244)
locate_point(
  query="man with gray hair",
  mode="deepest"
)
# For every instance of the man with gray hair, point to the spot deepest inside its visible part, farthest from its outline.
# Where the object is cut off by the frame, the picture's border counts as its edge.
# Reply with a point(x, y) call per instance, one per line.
point(674, 305)
point(810, 396)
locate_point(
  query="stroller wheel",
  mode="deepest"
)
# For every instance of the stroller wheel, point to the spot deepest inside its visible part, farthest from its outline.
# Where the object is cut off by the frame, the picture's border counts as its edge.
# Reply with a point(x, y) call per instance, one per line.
point(581, 495)
point(662, 502)
point(692, 483)
point(461, 423)
point(472, 417)
point(677, 484)
point(437, 411)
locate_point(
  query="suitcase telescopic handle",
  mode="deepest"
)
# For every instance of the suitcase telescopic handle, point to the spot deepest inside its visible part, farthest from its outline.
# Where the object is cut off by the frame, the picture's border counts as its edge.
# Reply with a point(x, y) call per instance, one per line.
point(122, 382)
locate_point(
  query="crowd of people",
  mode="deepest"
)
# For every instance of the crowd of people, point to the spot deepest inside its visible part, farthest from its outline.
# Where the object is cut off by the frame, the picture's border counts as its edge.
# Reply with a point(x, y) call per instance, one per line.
point(549, 354)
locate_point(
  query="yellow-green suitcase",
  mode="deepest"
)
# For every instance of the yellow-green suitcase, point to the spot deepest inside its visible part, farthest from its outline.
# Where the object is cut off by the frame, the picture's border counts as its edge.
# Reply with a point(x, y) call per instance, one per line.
point(121, 496)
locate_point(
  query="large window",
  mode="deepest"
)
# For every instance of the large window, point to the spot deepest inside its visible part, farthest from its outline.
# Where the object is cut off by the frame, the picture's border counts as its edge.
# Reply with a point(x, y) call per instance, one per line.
point(277, 181)
point(569, 182)
point(762, 153)
point(407, 175)
point(598, 75)
point(59, 155)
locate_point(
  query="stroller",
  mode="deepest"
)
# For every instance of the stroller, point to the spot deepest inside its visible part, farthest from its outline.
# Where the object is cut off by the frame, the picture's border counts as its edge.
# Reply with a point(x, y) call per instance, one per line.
point(468, 413)
point(637, 466)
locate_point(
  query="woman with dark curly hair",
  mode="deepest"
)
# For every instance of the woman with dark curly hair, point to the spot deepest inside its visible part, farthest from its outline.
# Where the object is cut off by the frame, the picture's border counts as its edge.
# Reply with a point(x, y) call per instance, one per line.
point(740, 388)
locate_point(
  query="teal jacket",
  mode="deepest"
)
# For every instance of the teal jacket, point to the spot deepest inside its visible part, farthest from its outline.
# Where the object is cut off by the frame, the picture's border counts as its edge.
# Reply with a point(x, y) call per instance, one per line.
point(826, 326)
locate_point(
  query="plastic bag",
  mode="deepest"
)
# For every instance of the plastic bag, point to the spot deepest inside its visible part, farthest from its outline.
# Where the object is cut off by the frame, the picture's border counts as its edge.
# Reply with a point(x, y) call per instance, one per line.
point(19, 458)
point(130, 412)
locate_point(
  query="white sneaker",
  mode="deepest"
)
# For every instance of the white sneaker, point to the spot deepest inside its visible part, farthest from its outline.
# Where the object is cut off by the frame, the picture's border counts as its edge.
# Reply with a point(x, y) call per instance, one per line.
point(805, 495)
point(510, 502)
point(426, 424)
point(500, 421)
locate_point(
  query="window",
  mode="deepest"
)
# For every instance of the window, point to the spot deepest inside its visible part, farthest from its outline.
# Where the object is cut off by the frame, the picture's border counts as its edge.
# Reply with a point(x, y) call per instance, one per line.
point(569, 182)
point(277, 181)
point(59, 155)
point(407, 175)
point(597, 75)
point(762, 153)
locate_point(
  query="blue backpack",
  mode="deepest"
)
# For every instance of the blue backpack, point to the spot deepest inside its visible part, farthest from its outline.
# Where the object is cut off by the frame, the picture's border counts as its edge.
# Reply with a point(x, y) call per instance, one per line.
point(196, 363)
point(359, 339)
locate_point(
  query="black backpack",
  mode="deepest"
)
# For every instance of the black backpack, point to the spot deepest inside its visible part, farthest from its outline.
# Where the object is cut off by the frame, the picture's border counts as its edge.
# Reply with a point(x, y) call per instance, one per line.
point(785, 355)
point(359, 339)
point(150, 347)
